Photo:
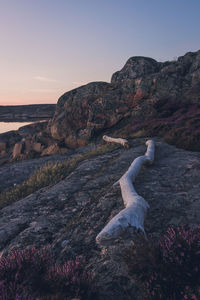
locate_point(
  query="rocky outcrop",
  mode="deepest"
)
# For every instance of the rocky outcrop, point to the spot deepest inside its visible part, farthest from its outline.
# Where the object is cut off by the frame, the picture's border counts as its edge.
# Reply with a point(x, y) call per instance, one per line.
point(19, 113)
point(69, 214)
point(145, 98)
point(73, 120)
point(139, 92)
point(176, 80)
point(136, 67)
point(28, 142)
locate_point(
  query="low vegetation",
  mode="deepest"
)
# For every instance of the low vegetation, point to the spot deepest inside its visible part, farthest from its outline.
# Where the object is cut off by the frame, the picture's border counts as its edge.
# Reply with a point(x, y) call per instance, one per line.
point(178, 124)
point(169, 269)
point(50, 174)
point(33, 274)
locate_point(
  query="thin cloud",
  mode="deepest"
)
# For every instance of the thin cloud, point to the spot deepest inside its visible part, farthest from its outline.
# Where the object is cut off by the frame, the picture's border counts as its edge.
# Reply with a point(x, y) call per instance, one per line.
point(43, 90)
point(44, 79)
point(78, 82)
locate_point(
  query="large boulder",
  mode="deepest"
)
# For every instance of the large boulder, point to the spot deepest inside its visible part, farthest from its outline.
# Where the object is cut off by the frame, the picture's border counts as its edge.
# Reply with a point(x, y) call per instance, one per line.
point(169, 80)
point(136, 93)
point(135, 67)
point(81, 112)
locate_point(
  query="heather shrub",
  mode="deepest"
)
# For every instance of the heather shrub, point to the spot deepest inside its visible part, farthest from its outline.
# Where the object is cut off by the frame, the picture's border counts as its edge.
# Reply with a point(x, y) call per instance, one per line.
point(186, 138)
point(176, 122)
point(32, 274)
point(170, 268)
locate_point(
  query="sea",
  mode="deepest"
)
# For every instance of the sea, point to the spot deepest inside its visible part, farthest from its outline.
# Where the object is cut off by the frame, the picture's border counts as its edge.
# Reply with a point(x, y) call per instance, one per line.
point(7, 126)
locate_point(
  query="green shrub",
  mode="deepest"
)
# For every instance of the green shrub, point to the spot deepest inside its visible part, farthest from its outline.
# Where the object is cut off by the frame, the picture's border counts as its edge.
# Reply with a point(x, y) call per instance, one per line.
point(50, 174)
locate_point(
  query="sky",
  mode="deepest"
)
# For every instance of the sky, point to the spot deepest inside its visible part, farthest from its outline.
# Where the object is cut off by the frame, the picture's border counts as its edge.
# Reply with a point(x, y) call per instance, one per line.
point(48, 47)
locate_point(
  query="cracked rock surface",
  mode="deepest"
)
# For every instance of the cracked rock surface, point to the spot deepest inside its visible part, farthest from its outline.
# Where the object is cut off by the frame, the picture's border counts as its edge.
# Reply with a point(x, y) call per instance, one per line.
point(69, 215)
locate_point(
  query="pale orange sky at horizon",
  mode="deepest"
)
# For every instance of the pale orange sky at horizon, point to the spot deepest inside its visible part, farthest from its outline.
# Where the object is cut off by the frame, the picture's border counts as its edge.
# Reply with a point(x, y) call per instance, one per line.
point(36, 96)
point(29, 99)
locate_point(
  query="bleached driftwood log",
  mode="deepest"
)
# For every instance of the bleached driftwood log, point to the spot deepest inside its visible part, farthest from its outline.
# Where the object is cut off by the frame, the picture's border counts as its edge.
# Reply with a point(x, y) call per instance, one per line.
point(121, 141)
point(134, 213)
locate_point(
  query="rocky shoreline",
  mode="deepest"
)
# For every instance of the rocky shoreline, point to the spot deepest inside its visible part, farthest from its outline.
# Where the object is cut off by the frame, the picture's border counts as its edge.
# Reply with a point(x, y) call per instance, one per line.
point(23, 143)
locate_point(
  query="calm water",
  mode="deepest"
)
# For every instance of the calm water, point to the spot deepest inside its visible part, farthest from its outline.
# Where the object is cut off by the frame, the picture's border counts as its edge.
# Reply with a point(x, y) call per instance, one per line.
point(7, 126)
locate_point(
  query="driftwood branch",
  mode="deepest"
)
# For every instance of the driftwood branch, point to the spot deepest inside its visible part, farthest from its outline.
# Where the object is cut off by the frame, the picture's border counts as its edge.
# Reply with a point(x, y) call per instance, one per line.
point(134, 213)
point(121, 141)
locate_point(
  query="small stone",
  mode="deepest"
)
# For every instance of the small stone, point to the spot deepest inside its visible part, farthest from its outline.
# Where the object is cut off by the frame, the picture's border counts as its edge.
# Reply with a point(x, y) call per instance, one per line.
point(52, 149)
point(17, 150)
point(2, 146)
point(64, 243)
point(37, 147)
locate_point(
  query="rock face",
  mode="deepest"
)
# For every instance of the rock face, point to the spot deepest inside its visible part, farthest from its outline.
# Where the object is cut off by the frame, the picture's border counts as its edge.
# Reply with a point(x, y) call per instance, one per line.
point(137, 93)
point(73, 119)
point(176, 80)
point(135, 67)
point(69, 215)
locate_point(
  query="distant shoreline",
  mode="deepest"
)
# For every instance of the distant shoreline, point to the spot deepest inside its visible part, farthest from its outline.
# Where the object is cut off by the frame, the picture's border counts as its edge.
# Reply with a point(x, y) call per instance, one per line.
point(26, 113)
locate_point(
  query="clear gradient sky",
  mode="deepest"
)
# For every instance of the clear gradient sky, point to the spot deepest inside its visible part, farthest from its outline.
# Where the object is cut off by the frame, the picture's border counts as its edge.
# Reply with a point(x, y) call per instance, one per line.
point(48, 47)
